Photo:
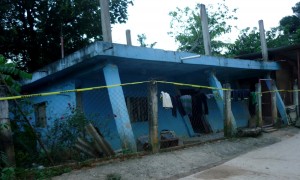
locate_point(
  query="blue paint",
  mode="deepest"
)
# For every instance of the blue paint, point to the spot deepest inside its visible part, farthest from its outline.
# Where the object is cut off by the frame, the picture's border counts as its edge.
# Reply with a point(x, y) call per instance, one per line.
point(140, 64)
point(219, 97)
point(57, 106)
point(97, 108)
point(119, 108)
point(188, 125)
point(279, 103)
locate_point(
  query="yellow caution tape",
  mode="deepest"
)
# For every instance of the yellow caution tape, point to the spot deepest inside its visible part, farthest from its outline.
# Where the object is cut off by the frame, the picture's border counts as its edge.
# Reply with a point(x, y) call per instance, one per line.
point(126, 84)
point(193, 85)
point(68, 91)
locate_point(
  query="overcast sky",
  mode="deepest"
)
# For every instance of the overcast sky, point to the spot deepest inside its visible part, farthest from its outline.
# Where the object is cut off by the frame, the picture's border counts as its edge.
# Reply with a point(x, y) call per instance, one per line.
point(151, 18)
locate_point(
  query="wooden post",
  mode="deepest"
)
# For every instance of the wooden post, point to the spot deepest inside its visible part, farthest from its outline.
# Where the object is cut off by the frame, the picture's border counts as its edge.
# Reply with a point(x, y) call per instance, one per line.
point(258, 108)
point(205, 32)
point(298, 73)
point(227, 112)
point(98, 139)
point(105, 21)
point(6, 139)
point(153, 116)
point(296, 97)
point(128, 37)
point(263, 42)
point(273, 103)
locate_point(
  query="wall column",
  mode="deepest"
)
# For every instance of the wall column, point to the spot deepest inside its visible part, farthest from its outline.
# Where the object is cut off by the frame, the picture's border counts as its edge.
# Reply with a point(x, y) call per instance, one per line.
point(118, 104)
point(219, 97)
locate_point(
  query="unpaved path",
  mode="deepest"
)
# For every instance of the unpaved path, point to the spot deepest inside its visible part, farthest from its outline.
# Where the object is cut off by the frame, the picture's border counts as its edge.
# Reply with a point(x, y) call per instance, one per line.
point(180, 163)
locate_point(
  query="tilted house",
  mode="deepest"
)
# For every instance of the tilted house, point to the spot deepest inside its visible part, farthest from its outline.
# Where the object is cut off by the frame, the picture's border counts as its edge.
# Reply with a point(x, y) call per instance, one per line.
point(124, 108)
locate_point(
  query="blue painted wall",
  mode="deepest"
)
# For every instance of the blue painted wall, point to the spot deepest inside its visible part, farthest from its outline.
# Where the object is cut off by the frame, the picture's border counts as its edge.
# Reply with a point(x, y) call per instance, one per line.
point(96, 105)
point(57, 106)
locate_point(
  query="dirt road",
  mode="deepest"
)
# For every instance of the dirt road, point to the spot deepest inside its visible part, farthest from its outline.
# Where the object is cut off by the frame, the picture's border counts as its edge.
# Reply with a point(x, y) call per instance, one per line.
point(181, 163)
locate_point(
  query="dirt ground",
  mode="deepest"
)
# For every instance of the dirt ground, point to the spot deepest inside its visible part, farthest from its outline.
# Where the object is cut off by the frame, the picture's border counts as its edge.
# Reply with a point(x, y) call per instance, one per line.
point(183, 162)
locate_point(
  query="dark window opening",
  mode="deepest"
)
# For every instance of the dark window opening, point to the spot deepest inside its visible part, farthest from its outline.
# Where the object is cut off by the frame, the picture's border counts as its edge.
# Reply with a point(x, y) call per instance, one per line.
point(137, 108)
point(40, 115)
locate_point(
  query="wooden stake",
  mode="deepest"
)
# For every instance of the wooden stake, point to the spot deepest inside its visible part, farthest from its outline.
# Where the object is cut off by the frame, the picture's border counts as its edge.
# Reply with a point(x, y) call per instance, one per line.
point(258, 108)
point(296, 97)
point(273, 104)
point(5, 129)
point(153, 116)
point(227, 112)
point(93, 132)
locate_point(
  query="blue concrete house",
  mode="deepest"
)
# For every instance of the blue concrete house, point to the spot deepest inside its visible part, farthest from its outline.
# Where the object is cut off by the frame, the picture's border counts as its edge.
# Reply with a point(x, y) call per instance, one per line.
point(104, 63)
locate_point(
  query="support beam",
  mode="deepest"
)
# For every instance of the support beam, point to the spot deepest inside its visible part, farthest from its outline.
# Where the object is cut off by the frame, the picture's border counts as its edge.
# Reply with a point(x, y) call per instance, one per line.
point(273, 104)
point(227, 112)
point(219, 97)
point(6, 135)
point(279, 102)
point(128, 37)
point(153, 117)
point(296, 97)
point(205, 31)
point(298, 73)
point(258, 108)
point(263, 42)
point(105, 21)
point(118, 104)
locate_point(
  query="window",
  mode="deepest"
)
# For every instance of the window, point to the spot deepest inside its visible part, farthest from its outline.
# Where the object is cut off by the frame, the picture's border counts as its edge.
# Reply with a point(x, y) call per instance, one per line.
point(137, 108)
point(40, 115)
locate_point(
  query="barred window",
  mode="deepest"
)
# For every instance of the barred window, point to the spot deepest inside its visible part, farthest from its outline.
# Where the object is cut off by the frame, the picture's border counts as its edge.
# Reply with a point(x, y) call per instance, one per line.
point(40, 115)
point(137, 108)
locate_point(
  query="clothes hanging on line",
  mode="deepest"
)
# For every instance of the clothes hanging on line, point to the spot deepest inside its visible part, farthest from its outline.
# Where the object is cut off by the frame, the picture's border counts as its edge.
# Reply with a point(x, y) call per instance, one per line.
point(166, 100)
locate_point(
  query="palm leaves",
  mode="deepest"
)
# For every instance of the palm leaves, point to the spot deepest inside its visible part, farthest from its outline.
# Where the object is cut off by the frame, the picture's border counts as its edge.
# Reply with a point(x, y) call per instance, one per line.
point(10, 74)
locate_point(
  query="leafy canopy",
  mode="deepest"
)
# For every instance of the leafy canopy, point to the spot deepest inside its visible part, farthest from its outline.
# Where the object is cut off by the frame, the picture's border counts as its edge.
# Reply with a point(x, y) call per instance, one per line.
point(10, 74)
point(187, 30)
point(30, 31)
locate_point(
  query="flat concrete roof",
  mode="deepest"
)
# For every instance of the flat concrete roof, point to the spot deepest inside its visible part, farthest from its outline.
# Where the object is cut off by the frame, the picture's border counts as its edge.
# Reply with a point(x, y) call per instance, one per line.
point(131, 58)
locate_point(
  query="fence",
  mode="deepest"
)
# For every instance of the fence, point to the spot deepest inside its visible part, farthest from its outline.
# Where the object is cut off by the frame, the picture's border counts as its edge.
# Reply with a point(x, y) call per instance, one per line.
point(125, 116)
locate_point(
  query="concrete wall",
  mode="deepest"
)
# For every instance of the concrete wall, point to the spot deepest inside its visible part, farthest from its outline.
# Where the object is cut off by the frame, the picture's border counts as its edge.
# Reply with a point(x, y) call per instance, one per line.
point(57, 106)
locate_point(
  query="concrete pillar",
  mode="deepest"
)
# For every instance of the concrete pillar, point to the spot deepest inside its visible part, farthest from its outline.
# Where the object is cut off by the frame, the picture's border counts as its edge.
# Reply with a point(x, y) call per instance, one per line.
point(128, 37)
point(219, 97)
point(118, 104)
point(263, 42)
point(205, 31)
point(105, 20)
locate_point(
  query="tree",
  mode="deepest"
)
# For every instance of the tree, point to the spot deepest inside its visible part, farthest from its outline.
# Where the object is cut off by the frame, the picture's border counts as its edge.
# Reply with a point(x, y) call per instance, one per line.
point(186, 25)
point(30, 31)
point(142, 40)
point(8, 74)
point(249, 41)
point(288, 32)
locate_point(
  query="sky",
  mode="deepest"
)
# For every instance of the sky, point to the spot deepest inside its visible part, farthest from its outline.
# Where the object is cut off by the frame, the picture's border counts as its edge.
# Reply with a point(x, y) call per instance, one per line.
point(150, 17)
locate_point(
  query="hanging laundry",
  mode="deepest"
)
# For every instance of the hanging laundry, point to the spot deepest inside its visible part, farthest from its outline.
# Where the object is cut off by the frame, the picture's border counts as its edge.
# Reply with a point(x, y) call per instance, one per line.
point(186, 101)
point(166, 100)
